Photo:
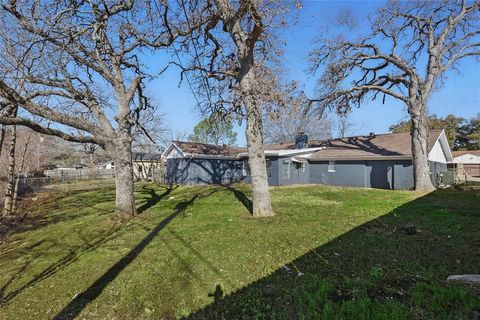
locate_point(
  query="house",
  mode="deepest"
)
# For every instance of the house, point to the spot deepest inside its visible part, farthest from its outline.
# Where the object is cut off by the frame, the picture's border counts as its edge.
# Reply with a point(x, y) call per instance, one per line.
point(145, 164)
point(467, 162)
point(108, 165)
point(198, 163)
point(373, 161)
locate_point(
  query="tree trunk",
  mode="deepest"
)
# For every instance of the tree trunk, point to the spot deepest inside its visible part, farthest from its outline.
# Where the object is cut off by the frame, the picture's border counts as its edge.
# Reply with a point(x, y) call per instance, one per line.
point(2, 137)
point(20, 171)
point(121, 154)
point(256, 156)
point(10, 186)
point(419, 134)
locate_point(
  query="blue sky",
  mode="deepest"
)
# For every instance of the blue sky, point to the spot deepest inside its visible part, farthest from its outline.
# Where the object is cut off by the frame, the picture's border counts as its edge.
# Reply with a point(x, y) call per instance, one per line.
point(460, 94)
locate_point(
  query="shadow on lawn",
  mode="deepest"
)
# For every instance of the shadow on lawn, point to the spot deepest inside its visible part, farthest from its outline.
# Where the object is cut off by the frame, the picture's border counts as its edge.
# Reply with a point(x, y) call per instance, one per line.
point(93, 291)
point(73, 251)
point(369, 269)
point(242, 197)
point(48, 216)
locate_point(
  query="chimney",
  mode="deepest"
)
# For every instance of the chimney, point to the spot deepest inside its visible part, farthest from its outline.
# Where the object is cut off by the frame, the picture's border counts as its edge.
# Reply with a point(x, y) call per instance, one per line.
point(372, 134)
point(301, 140)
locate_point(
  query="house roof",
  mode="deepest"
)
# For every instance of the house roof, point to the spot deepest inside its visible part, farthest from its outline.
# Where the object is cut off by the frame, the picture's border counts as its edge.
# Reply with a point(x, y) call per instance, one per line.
point(373, 146)
point(194, 148)
point(291, 145)
point(464, 152)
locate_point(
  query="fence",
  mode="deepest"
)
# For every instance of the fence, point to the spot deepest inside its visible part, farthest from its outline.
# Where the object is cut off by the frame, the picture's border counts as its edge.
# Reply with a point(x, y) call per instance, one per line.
point(80, 174)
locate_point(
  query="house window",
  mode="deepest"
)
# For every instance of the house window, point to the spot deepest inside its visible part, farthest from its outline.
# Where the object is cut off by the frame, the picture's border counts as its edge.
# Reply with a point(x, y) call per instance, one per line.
point(331, 166)
point(286, 169)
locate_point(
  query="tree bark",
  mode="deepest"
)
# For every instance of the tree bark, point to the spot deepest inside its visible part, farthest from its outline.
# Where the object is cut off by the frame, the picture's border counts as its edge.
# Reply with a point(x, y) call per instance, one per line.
point(419, 134)
point(121, 153)
point(2, 137)
point(10, 186)
point(20, 171)
point(256, 156)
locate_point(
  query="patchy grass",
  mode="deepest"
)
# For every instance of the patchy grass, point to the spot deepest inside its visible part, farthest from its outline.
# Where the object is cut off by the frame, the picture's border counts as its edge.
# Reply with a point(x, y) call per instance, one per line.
point(194, 251)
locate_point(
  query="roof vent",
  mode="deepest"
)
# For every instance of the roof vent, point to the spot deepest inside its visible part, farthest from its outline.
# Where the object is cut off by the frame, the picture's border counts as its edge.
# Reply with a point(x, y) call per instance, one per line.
point(372, 134)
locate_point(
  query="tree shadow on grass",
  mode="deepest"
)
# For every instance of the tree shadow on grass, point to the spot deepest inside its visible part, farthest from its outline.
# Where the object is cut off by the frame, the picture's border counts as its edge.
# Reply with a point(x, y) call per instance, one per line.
point(375, 269)
point(74, 252)
point(154, 197)
point(93, 291)
point(242, 197)
point(54, 212)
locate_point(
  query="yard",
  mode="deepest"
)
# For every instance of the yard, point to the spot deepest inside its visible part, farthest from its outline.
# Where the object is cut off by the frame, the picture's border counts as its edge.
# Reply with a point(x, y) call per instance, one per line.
point(194, 251)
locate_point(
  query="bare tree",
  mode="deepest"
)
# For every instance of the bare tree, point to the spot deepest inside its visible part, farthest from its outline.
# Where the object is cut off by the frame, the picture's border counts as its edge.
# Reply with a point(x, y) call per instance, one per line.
point(82, 63)
point(235, 46)
point(290, 113)
point(412, 44)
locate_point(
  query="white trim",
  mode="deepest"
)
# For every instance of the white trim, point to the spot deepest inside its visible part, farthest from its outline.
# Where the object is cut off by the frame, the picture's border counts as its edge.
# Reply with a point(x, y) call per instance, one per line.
point(170, 148)
point(299, 160)
point(441, 144)
point(284, 152)
point(358, 158)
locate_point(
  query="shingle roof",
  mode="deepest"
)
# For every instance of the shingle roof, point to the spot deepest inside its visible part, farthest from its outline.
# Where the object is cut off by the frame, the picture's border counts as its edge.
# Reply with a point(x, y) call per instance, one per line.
point(195, 148)
point(291, 145)
point(375, 146)
point(463, 152)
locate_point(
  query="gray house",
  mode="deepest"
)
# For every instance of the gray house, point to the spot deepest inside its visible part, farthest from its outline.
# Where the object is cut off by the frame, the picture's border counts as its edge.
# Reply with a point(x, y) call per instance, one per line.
point(374, 161)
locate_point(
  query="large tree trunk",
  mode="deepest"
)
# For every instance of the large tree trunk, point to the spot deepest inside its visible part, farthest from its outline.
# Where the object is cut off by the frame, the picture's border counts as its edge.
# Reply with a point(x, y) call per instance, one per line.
point(256, 156)
point(419, 133)
point(9, 189)
point(121, 154)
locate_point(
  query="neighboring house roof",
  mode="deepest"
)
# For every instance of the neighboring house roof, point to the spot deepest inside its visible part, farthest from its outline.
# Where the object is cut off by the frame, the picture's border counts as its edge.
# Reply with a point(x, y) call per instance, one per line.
point(467, 156)
point(464, 152)
point(204, 149)
point(144, 156)
point(394, 145)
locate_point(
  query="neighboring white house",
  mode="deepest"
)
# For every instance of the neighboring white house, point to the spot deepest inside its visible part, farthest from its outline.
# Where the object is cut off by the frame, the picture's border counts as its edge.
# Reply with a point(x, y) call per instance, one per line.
point(468, 162)
point(109, 165)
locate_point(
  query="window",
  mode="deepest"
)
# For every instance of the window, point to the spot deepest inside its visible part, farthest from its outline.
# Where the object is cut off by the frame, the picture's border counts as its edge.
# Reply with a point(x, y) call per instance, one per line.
point(331, 166)
point(286, 169)
point(302, 166)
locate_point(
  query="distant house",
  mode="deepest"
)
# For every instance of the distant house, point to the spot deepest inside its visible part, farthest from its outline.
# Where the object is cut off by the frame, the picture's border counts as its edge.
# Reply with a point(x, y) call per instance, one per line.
point(373, 161)
point(467, 162)
point(145, 164)
point(108, 165)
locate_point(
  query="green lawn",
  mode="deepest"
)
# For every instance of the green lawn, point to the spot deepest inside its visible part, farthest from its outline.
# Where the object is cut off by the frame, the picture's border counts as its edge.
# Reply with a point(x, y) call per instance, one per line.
point(330, 253)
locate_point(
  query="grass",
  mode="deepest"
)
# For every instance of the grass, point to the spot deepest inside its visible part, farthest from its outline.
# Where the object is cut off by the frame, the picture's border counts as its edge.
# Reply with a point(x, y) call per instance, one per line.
point(332, 253)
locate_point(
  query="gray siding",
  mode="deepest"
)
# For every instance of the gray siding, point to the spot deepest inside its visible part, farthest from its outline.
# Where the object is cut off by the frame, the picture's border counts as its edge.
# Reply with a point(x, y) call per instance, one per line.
point(391, 174)
point(380, 174)
point(272, 170)
point(347, 173)
point(204, 171)
point(403, 174)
